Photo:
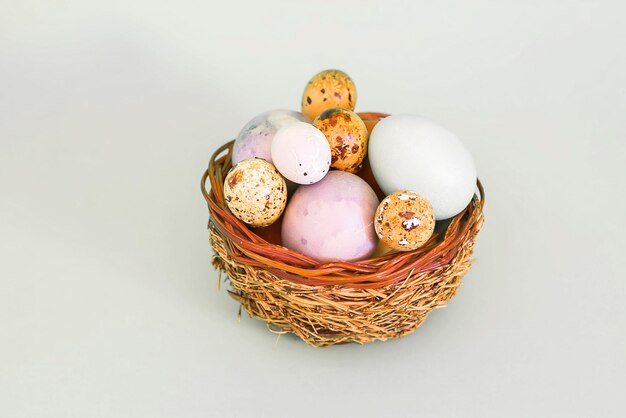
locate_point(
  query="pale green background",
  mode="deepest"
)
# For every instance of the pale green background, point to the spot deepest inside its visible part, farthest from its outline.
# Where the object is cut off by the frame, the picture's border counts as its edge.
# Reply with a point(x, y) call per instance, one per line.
point(109, 111)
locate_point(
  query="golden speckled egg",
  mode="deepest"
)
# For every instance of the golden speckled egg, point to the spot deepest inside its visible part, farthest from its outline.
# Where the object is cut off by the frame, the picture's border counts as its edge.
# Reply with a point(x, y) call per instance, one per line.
point(255, 192)
point(328, 89)
point(404, 221)
point(347, 135)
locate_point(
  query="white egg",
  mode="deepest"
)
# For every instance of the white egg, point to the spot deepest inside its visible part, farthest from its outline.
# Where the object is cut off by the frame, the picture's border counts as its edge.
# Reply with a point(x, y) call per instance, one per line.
point(301, 153)
point(409, 152)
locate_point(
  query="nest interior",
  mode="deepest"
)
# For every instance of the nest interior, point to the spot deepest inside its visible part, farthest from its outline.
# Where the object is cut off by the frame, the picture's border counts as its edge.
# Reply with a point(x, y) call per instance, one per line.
point(337, 302)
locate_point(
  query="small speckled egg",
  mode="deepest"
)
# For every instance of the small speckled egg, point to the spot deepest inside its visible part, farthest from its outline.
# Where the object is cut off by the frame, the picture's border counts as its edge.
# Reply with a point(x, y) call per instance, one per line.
point(404, 221)
point(301, 153)
point(347, 136)
point(328, 89)
point(255, 192)
point(332, 219)
point(255, 139)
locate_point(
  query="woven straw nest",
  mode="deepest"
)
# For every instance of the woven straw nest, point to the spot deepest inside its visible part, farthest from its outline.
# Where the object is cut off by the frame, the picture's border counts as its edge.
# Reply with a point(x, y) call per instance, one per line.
point(337, 302)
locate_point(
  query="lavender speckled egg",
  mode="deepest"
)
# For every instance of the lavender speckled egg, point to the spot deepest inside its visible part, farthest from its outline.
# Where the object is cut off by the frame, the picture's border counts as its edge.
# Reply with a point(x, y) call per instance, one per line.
point(255, 139)
point(255, 192)
point(301, 153)
point(409, 152)
point(332, 219)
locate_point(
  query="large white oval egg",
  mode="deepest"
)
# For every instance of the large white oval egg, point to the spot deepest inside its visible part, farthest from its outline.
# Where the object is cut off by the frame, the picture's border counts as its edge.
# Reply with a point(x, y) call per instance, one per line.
point(408, 152)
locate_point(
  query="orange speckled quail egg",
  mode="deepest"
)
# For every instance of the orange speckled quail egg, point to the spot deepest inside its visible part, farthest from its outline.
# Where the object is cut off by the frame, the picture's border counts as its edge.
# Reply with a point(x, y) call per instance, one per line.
point(347, 136)
point(255, 192)
point(404, 221)
point(328, 89)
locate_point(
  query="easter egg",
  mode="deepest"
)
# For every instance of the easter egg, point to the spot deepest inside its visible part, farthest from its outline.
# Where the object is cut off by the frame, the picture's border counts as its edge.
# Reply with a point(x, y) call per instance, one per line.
point(347, 136)
point(332, 219)
point(301, 153)
point(255, 139)
point(409, 152)
point(255, 192)
point(404, 221)
point(328, 89)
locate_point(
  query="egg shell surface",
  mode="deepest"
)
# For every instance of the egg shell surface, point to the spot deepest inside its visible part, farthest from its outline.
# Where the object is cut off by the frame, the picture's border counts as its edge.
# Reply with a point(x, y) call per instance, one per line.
point(347, 136)
point(301, 153)
point(404, 221)
point(332, 219)
point(408, 152)
point(255, 139)
point(328, 89)
point(255, 192)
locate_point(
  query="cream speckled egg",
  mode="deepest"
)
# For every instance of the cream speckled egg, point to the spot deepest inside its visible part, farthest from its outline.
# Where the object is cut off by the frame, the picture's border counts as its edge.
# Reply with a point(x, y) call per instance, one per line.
point(404, 221)
point(255, 192)
point(301, 153)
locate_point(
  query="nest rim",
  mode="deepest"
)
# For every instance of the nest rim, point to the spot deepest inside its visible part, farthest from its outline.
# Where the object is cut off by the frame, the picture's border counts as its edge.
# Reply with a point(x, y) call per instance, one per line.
point(378, 271)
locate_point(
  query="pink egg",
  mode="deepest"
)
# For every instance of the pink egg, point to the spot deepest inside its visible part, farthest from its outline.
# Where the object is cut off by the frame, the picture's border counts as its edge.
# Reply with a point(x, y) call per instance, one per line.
point(301, 153)
point(332, 219)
